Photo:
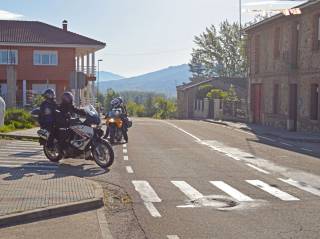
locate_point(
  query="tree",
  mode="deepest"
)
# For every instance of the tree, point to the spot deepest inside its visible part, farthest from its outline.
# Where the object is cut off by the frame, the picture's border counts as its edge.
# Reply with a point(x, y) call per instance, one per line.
point(135, 109)
point(203, 90)
point(219, 52)
point(164, 108)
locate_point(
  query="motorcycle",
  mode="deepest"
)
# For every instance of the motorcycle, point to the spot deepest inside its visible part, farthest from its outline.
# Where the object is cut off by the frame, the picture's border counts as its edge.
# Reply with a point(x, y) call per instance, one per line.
point(80, 138)
point(115, 126)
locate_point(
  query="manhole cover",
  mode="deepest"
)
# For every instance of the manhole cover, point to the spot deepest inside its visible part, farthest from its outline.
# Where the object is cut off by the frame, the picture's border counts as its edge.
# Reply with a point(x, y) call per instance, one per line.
point(215, 201)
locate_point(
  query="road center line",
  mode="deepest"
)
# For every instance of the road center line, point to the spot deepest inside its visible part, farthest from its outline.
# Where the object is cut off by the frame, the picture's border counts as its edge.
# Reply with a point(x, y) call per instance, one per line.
point(124, 146)
point(308, 150)
point(258, 169)
point(126, 158)
point(182, 130)
point(129, 169)
point(125, 151)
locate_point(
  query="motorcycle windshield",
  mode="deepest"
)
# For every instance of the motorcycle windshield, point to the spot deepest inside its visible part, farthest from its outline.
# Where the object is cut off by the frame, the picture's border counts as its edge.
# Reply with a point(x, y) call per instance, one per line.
point(92, 115)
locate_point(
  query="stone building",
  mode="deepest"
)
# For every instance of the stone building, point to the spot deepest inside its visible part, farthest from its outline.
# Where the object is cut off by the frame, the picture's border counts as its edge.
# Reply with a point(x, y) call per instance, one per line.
point(187, 104)
point(284, 69)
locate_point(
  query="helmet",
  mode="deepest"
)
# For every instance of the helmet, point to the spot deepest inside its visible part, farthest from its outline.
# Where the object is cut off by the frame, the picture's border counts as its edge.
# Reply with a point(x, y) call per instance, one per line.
point(49, 94)
point(115, 102)
point(67, 98)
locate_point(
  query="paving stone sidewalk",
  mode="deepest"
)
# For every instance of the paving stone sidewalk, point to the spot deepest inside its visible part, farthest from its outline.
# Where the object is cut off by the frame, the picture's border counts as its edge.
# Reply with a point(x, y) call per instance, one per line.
point(23, 190)
point(26, 132)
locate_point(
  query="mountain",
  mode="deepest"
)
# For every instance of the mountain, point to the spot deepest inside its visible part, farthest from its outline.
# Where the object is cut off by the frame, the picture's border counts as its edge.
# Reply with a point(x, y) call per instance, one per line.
point(108, 76)
point(162, 81)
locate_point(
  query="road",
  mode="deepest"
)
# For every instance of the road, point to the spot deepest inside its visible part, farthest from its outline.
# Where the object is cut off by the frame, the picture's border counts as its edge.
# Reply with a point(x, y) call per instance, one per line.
point(192, 179)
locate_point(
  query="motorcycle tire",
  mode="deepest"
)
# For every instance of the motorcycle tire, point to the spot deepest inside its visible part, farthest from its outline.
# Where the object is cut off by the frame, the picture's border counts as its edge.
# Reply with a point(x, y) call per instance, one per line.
point(108, 153)
point(48, 153)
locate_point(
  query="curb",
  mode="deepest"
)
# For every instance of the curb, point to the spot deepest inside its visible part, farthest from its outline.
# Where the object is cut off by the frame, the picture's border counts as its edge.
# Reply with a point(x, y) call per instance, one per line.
point(215, 122)
point(18, 137)
point(55, 211)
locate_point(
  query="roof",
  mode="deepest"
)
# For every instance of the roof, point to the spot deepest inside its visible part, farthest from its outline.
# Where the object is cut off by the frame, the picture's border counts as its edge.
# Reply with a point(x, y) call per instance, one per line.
point(236, 80)
point(34, 32)
point(307, 4)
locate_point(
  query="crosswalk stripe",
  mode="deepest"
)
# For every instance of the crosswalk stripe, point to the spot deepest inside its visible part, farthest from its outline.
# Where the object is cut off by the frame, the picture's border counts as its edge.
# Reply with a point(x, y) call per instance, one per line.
point(148, 195)
point(272, 190)
point(172, 237)
point(188, 190)
point(231, 191)
point(146, 192)
point(304, 187)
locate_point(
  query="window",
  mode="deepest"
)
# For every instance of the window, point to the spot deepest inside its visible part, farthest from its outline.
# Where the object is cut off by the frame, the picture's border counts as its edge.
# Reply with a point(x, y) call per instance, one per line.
point(314, 102)
point(316, 38)
point(277, 42)
point(276, 99)
point(257, 54)
point(48, 58)
point(8, 57)
point(295, 44)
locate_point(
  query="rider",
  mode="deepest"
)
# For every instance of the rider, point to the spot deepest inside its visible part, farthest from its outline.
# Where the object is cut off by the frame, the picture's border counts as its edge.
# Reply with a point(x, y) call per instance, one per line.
point(67, 109)
point(47, 116)
point(118, 103)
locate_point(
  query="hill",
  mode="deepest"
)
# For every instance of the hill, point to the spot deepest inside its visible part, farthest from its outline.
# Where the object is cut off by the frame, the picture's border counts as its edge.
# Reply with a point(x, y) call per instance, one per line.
point(163, 81)
point(109, 76)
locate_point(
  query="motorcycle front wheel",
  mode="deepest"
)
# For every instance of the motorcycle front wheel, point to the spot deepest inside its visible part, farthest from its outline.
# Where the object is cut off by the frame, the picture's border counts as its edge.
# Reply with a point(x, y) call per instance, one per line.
point(102, 153)
point(53, 154)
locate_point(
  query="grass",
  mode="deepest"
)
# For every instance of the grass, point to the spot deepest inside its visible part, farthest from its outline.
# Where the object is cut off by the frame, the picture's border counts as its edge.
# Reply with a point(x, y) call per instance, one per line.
point(16, 119)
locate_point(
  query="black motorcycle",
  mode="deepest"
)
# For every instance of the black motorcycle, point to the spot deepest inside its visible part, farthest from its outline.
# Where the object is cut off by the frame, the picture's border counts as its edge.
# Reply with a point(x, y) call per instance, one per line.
point(81, 138)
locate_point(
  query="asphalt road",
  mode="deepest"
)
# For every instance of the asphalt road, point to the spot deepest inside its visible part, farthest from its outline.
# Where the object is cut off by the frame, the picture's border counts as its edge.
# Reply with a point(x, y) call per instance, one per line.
point(192, 179)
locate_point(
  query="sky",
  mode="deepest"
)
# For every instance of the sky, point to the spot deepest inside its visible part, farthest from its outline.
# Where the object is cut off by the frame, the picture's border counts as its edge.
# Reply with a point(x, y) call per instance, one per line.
point(141, 35)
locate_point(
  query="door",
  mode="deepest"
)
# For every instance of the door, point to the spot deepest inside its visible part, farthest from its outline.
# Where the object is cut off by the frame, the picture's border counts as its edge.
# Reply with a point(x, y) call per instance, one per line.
point(293, 107)
point(256, 102)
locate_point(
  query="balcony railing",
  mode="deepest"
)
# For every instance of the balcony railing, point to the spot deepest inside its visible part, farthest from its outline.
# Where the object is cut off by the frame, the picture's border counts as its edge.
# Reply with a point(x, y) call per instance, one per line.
point(89, 71)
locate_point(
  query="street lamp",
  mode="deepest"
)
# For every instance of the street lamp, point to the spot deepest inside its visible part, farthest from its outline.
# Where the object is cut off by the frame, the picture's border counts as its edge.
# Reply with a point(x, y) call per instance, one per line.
point(98, 81)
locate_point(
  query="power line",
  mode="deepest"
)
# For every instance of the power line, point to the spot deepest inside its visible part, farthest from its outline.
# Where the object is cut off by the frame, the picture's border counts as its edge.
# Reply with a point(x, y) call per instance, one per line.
point(151, 53)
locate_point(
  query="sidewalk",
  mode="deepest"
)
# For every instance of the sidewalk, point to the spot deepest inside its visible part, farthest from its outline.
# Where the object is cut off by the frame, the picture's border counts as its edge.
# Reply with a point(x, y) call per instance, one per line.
point(28, 195)
point(271, 131)
point(26, 133)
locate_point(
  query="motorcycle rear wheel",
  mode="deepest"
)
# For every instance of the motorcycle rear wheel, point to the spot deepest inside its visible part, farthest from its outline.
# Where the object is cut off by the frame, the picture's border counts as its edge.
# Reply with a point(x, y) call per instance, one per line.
point(103, 154)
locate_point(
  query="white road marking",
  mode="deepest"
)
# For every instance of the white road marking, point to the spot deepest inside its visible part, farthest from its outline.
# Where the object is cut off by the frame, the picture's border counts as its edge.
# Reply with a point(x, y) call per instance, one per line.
point(231, 191)
point(182, 130)
point(172, 237)
point(148, 195)
point(124, 145)
point(302, 186)
point(258, 169)
point(129, 169)
point(152, 209)
point(266, 138)
point(188, 190)
point(23, 162)
point(272, 190)
point(309, 150)
point(126, 158)
point(289, 145)
point(125, 151)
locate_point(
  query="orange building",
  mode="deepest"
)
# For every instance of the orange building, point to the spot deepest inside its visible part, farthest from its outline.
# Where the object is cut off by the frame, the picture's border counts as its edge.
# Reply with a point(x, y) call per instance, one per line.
point(44, 56)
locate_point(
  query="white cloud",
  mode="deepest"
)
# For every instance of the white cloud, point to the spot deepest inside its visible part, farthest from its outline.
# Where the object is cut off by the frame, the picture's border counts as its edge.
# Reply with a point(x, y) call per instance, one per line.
point(5, 15)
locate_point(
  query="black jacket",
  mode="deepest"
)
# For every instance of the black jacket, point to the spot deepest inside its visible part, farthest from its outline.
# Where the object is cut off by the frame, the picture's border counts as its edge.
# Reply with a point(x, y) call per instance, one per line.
point(47, 116)
point(66, 111)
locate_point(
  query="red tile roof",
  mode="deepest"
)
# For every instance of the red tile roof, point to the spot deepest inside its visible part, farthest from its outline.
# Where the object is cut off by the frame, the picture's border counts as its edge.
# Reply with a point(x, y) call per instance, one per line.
point(34, 32)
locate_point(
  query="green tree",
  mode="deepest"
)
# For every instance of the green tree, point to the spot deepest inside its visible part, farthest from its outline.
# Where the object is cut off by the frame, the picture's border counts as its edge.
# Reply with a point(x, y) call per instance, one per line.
point(219, 52)
point(135, 109)
point(217, 94)
point(203, 90)
point(164, 109)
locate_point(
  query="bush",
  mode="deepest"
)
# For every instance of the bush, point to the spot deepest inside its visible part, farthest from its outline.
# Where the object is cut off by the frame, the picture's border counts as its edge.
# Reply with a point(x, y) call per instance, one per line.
point(17, 119)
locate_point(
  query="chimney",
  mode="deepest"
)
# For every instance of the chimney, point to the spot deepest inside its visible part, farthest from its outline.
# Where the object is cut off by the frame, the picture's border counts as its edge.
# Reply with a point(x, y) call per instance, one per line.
point(65, 25)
